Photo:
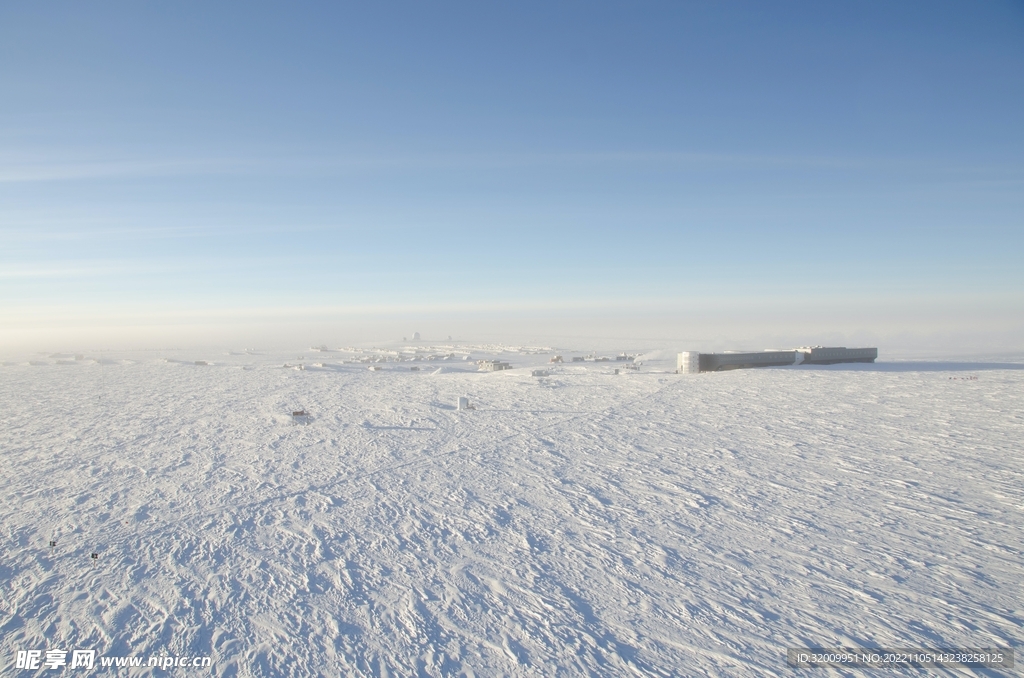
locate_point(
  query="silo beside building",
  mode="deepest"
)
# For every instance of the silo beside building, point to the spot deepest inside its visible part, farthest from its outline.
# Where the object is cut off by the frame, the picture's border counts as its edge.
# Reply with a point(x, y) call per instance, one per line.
point(688, 362)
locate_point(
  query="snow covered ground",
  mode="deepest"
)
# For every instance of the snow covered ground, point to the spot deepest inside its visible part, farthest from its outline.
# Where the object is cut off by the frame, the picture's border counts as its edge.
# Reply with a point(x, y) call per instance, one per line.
point(586, 523)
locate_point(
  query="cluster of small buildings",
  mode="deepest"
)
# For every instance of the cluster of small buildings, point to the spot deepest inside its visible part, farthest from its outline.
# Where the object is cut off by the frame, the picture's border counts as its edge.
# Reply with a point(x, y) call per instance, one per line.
point(692, 361)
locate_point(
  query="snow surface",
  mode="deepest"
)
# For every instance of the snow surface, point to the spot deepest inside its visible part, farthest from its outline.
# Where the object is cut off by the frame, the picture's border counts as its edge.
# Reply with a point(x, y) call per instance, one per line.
point(584, 523)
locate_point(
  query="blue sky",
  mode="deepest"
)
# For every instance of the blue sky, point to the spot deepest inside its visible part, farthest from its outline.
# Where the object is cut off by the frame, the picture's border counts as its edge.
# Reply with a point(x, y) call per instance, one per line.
point(843, 170)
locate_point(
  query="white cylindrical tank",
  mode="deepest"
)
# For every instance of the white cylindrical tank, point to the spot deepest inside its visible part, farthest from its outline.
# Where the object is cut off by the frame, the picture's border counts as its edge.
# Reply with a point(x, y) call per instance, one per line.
point(688, 362)
point(463, 403)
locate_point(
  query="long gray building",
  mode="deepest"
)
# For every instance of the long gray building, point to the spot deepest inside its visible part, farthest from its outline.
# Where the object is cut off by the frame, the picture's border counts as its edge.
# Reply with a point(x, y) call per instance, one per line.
point(692, 361)
point(830, 355)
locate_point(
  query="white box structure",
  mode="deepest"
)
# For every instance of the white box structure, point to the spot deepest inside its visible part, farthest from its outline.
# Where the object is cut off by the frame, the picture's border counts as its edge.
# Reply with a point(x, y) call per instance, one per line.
point(493, 365)
point(688, 362)
point(463, 403)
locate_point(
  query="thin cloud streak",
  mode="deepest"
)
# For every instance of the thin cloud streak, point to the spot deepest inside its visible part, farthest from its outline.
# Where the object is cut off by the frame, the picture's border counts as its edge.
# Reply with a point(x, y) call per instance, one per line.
point(38, 172)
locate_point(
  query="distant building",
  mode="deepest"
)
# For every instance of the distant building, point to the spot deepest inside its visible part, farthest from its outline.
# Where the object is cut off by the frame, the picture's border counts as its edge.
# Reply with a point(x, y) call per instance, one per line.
point(493, 365)
point(831, 355)
point(691, 361)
